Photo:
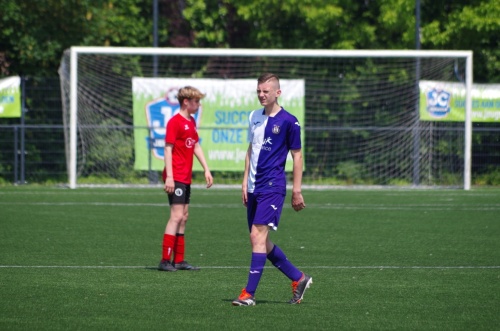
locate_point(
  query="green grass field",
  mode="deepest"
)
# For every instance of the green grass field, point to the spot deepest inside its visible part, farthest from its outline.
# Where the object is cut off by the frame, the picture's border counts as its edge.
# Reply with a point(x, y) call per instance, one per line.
point(86, 259)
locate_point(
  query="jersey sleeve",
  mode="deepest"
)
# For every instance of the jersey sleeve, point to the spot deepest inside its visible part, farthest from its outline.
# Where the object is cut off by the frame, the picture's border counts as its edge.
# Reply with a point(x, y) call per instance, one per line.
point(171, 132)
point(250, 132)
point(294, 134)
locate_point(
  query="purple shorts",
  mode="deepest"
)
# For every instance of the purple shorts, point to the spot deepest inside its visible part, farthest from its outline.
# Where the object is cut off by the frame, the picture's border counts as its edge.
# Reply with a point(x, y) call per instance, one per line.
point(264, 209)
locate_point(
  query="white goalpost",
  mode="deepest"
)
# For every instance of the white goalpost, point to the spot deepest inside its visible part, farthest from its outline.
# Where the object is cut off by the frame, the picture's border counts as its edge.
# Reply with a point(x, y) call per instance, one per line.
point(361, 109)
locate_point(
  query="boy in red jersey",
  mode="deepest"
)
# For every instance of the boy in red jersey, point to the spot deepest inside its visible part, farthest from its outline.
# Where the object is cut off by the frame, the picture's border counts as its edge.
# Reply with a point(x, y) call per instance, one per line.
point(181, 143)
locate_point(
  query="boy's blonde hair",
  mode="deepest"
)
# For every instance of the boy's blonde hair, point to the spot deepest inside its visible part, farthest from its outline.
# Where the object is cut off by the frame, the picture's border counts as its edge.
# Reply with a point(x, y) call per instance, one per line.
point(189, 92)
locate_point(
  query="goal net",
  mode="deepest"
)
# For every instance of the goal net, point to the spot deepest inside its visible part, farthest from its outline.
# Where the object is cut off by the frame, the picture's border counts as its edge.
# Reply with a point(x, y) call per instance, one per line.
point(360, 112)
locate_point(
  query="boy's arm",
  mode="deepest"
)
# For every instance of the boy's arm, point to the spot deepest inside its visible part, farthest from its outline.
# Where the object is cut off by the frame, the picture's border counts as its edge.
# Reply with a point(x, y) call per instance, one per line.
point(297, 199)
point(244, 184)
point(169, 181)
point(198, 151)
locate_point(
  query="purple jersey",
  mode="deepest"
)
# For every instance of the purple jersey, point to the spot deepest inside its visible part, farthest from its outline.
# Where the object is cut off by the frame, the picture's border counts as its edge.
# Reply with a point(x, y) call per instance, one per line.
point(272, 138)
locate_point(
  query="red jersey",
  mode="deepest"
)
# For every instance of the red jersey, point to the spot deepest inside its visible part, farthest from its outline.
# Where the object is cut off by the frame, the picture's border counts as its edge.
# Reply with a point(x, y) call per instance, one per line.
point(182, 134)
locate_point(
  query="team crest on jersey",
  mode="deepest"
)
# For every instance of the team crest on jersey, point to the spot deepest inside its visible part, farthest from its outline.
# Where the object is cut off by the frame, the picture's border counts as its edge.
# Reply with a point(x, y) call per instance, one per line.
point(190, 142)
point(158, 113)
point(276, 129)
point(178, 192)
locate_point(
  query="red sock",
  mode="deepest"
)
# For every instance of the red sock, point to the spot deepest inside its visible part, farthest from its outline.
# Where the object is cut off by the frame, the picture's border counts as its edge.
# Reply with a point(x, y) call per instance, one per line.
point(179, 248)
point(168, 246)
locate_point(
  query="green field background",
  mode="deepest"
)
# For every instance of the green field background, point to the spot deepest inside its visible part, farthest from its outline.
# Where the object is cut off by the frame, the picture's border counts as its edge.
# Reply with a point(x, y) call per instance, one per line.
point(86, 259)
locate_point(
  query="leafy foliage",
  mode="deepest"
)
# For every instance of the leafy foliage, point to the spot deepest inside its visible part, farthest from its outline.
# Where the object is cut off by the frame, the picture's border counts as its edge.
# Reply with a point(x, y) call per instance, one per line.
point(34, 34)
point(473, 25)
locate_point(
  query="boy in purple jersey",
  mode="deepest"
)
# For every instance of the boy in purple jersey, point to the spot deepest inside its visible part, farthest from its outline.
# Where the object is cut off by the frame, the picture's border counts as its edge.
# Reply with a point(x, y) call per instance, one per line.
point(273, 133)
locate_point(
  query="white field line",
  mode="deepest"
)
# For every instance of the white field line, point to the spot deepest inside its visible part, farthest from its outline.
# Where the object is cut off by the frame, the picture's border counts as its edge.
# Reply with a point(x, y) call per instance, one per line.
point(437, 206)
point(158, 191)
point(246, 267)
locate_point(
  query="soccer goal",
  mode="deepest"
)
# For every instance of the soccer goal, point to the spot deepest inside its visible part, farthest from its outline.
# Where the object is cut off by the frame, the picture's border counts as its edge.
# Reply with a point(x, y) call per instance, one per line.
point(368, 117)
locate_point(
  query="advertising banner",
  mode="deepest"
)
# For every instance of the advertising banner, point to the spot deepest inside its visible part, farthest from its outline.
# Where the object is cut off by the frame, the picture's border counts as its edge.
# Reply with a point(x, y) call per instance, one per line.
point(443, 101)
point(222, 119)
point(10, 97)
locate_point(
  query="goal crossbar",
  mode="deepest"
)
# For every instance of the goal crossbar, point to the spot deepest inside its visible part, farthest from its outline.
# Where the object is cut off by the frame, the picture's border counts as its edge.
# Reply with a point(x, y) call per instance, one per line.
point(250, 52)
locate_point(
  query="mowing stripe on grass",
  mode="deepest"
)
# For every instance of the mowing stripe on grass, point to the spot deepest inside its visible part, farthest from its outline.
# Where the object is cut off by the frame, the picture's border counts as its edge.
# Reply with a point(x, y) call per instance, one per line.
point(246, 267)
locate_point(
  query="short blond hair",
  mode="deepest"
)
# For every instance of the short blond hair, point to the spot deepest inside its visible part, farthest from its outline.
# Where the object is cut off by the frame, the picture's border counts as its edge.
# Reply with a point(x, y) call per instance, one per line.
point(189, 92)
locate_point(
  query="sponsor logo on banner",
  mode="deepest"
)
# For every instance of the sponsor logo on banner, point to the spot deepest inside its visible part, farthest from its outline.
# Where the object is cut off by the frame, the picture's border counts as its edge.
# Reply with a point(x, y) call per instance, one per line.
point(438, 102)
point(158, 113)
point(446, 101)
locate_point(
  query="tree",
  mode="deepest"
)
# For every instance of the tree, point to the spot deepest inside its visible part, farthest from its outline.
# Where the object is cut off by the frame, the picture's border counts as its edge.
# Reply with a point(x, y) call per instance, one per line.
point(342, 24)
point(34, 33)
point(471, 25)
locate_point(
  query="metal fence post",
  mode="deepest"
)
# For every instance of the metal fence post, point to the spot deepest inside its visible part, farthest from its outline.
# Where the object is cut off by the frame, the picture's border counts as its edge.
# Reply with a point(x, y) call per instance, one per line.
point(23, 130)
point(16, 154)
